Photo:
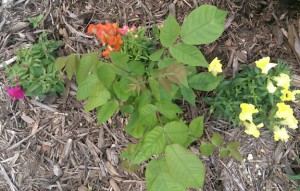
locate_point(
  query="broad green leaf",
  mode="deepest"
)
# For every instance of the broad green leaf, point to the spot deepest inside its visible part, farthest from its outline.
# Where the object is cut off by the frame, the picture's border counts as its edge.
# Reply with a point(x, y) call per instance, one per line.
point(134, 126)
point(189, 141)
point(134, 154)
point(97, 97)
point(106, 74)
point(147, 115)
point(196, 127)
point(122, 94)
point(158, 177)
point(203, 25)
point(126, 109)
point(156, 56)
point(188, 94)
point(294, 177)
point(188, 54)
point(60, 63)
point(169, 32)
point(185, 166)
point(107, 111)
point(204, 81)
point(87, 62)
point(154, 88)
point(119, 58)
point(168, 109)
point(176, 132)
point(153, 143)
point(86, 87)
point(207, 148)
point(217, 139)
point(224, 152)
point(71, 65)
point(137, 67)
point(144, 99)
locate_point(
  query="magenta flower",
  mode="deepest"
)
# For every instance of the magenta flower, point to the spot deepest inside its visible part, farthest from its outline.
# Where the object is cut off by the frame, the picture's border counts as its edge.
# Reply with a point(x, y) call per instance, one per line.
point(15, 93)
point(123, 31)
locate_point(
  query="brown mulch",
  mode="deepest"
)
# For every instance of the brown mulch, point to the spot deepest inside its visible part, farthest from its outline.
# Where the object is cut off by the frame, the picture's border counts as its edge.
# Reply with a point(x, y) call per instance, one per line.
point(54, 145)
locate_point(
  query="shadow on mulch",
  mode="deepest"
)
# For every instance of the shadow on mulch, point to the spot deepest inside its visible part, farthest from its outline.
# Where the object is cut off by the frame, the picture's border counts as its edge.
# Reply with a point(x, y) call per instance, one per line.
point(54, 145)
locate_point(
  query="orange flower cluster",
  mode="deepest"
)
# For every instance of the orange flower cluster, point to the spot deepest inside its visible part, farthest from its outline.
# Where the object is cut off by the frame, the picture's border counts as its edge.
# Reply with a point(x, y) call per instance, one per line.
point(109, 36)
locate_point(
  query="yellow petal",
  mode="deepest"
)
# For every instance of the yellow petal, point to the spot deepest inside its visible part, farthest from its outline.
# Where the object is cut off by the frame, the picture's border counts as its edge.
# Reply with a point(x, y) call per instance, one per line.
point(283, 80)
point(270, 87)
point(215, 66)
point(265, 65)
point(280, 134)
point(284, 111)
point(287, 95)
point(252, 129)
point(247, 111)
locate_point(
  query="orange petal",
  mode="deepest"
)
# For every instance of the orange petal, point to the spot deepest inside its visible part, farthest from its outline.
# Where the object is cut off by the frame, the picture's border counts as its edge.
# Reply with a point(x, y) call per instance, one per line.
point(92, 29)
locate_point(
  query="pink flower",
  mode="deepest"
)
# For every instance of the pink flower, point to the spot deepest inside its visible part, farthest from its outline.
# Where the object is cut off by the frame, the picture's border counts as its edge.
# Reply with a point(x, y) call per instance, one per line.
point(15, 93)
point(123, 31)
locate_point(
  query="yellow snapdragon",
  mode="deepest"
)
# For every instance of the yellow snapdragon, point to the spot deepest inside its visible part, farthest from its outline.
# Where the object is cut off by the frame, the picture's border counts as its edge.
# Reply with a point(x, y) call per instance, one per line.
point(280, 134)
point(265, 65)
point(247, 111)
point(284, 111)
point(215, 67)
point(291, 122)
point(252, 129)
point(283, 80)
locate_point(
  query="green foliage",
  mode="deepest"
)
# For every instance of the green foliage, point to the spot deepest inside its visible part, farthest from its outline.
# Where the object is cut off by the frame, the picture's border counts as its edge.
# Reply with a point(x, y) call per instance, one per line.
point(35, 70)
point(217, 142)
point(248, 86)
point(142, 81)
point(35, 21)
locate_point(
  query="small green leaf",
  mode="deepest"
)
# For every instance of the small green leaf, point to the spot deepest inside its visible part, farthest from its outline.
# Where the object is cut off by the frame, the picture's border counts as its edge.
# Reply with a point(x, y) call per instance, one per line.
point(188, 54)
point(60, 63)
point(207, 148)
point(128, 165)
point(188, 94)
point(236, 154)
point(233, 145)
point(71, 65)
point(204, 81)
point(203, 25)
point(158, 177)
point(121, 89)
point(126, 109)
point(87, 62)
point(134, 126)
point(168, 109)
point(196, 127)
point(97, 97)
point(106, 74)
point(185, 166)
point(224, 152)
point(156, 56)
point(176, 132)
point(107, 111)
point(147, 115)
point(169, 32)
point(217, 139)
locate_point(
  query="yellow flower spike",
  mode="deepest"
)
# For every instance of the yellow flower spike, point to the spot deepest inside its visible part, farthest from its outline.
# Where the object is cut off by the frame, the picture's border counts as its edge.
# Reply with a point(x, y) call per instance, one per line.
point(252, 129)
point(283, 80)
point(280, 134)
point(247, 111)
point(284, 111)
point(270, 87)
point(265, 65)
point(287, 95)
point(215, 67)
point(291, 122)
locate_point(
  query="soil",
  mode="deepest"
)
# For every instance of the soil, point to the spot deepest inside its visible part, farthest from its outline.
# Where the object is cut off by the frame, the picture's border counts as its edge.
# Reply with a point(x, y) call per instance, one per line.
point(54, 145)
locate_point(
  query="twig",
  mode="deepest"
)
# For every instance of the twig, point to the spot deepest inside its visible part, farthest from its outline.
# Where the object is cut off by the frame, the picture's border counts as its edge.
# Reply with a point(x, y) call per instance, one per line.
point(8, 62)
point(23, 140)
point(6, 177)
point(36, 103)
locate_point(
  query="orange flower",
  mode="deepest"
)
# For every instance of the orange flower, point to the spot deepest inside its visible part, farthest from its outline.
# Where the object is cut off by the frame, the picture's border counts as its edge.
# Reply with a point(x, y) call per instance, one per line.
point(92, 29)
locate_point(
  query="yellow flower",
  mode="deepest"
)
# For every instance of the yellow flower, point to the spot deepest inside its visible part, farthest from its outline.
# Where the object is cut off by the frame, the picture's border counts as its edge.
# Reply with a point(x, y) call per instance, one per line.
point(265, 65)
point(283, 80)
point(291, 122)
point(284, 111)
point(287, 95)
point(252, 129)
point(215, 67)
point(280, 134)
point(247, 111)
point(270, 87)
